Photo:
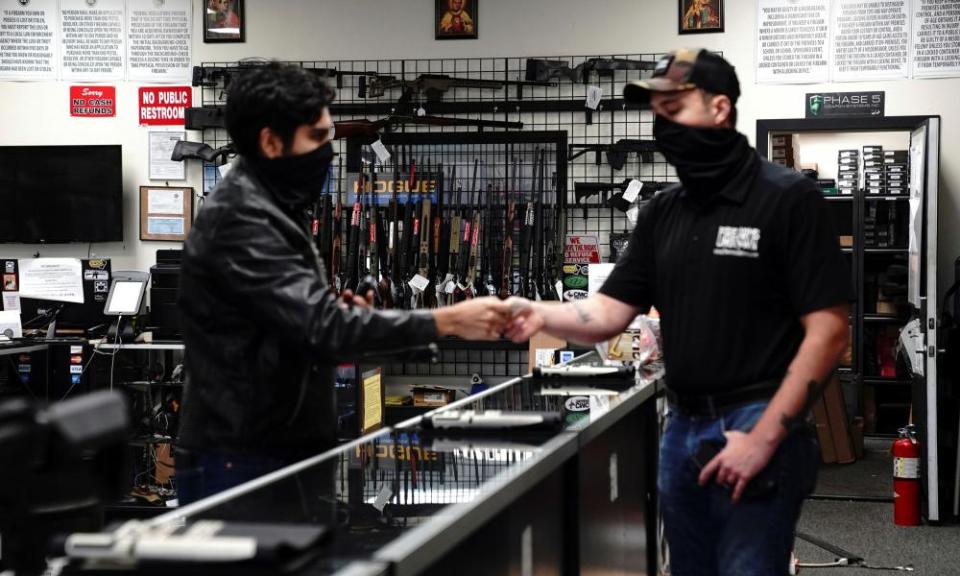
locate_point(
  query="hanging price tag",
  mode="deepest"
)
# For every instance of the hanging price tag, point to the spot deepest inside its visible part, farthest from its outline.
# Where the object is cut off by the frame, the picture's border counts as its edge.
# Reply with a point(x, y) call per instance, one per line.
point(419, 283)
point(594, 95)
point(450, 288)
point(632, 215)
point(421, 111)
point(633, 191)
point(381, 151)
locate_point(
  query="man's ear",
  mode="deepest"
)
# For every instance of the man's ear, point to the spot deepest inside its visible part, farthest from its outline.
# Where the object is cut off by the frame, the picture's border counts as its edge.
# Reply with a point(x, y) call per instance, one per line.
point(720, 108)
point(271, 144)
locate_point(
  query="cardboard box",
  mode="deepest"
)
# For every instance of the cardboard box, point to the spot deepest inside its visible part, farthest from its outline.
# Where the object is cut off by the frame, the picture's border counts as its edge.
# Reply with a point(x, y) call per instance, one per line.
point(432, 396)
point(839, 426)
point(824, 437)
point(544, 346)
point(783, 140)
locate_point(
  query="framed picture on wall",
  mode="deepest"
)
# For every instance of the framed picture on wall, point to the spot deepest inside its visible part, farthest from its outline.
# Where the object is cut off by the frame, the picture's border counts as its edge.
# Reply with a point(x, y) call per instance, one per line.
point(224, 21)
point(701, 16)
point(166, 213)
point(455, 19)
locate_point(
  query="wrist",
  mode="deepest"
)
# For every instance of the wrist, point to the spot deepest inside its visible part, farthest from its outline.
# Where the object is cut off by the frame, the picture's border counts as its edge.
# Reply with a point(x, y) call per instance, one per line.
point(769, 439)
point(445, 321)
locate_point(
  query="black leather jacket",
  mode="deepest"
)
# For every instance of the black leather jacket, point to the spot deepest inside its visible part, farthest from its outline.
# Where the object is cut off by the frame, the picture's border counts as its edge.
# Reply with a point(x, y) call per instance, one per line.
point(262, 329)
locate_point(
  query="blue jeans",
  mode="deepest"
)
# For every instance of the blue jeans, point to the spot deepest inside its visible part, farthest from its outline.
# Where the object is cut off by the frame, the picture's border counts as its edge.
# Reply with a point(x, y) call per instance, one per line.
point(707, 533)
point(200, 474)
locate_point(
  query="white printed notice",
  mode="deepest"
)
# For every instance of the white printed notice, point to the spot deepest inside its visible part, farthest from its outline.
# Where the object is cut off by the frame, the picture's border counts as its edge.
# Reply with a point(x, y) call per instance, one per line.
point(161, 149)
point(92, 46)
point(871, 40)
point(158, 41)
point(936, 38)
point(59, 279)
point(792, 41)
point(28, 40)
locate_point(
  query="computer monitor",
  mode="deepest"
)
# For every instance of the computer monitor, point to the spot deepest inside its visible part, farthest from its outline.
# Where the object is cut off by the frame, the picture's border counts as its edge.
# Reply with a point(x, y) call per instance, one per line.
point(126, 295)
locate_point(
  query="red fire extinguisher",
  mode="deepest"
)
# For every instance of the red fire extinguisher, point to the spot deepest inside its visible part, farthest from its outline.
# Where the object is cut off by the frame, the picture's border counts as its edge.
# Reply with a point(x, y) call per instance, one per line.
point(906, 479)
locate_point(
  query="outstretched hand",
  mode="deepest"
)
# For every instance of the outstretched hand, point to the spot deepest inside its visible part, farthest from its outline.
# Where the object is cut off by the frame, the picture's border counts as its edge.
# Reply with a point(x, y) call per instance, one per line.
point(474, 319)
point(526, 319)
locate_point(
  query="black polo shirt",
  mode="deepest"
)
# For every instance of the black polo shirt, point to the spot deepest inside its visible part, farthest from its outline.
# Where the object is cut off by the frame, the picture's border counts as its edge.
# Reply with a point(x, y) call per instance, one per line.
point(732, 275)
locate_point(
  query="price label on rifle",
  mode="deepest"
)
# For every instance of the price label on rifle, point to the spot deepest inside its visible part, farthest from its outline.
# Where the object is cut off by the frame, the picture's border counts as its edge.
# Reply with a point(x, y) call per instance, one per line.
point(582, 250)
point(633, 191)
point(594, 95)
point(380, 150)
point(419, 283)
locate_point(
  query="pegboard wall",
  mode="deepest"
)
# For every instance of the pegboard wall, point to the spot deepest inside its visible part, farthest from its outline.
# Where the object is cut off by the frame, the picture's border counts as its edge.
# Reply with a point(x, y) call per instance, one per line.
point(546, 95)
point(559, 106)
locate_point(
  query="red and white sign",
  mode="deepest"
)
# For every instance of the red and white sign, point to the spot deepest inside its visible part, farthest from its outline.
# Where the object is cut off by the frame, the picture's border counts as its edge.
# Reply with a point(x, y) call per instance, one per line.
point(582, 250)
point(164, 106)
point(93, 101)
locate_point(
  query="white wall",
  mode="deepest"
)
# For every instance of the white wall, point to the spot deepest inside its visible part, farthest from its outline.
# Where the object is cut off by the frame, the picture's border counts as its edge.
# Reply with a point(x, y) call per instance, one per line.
point(375, 29)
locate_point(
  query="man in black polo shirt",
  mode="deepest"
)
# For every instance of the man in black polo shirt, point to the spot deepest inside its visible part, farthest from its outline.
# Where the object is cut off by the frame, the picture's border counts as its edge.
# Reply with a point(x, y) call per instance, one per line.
point(743, 264)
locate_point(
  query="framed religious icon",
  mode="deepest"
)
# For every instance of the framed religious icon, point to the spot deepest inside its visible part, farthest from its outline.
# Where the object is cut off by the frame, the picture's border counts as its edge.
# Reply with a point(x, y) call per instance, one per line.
point(224, 21)
point(701, 16)
point(455, 19)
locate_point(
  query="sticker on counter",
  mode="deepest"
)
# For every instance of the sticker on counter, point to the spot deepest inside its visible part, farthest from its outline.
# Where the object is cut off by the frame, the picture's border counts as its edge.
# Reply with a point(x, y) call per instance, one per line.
point(10, 282)
point(76, 369)
point(101, 286)
point(10, 267)
point(76, 350)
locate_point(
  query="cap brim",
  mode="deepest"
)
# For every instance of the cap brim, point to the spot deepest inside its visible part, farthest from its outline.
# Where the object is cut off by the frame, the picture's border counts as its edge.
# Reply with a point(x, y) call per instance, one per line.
point(639, 91)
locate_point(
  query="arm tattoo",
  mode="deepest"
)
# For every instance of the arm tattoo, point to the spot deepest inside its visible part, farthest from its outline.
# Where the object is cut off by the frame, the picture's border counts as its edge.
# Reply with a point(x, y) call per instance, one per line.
point(582, 316)
point(814, 389)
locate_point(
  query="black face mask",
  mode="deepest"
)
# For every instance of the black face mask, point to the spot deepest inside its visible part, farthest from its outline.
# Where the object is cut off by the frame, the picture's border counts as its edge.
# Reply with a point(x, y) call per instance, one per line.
point(299, 178)
point(705, 158)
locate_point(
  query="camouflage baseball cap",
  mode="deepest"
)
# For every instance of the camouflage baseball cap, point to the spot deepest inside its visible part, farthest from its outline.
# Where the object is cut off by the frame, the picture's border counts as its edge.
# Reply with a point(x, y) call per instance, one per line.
point(685, 69)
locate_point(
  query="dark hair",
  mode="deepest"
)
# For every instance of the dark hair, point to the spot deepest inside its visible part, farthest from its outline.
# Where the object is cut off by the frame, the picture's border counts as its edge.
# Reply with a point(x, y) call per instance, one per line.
point(733, 106)
point(275, 95)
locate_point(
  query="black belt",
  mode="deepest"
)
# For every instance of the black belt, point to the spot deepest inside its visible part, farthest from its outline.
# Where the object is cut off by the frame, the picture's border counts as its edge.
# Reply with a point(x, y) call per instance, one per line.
point(714, 405)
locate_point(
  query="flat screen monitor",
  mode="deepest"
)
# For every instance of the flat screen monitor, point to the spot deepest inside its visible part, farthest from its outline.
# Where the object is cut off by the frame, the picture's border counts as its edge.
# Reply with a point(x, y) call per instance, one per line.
point(59, 194)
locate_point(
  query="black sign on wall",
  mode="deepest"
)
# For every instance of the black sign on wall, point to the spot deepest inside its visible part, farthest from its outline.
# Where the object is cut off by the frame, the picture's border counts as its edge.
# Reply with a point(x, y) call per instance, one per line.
point(844, 104)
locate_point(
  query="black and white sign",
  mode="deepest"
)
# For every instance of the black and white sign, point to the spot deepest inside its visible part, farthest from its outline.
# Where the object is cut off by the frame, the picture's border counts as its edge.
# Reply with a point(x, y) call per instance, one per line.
point(158, 41)
point(28, 40)
point(792, 41)
point(844, 104)
point(871, 40)
point(936, 38)
point(92, 49)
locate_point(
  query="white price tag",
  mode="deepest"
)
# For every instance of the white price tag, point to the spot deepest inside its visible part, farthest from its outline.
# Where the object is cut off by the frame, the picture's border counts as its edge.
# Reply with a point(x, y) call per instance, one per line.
point(632, 215)
point(594, 95)
point(382, 498)
point(421, 111)
point(633, 191)
point(381, 151)
point(419, 283)
point(559, 287)
point(450, 288)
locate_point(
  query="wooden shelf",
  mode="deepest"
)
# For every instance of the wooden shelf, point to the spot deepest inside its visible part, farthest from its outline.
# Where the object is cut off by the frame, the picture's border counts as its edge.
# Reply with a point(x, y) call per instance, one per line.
point(884, 319)
point(885, 250)
point(879, 381)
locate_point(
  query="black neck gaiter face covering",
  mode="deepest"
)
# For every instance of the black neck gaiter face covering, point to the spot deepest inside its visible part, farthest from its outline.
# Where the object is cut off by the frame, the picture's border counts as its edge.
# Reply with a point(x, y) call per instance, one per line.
point(706, 159)
point(298, 179)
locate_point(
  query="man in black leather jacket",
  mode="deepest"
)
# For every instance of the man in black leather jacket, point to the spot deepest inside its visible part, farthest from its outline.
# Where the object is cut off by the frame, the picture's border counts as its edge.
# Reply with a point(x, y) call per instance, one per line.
point(263, 330)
